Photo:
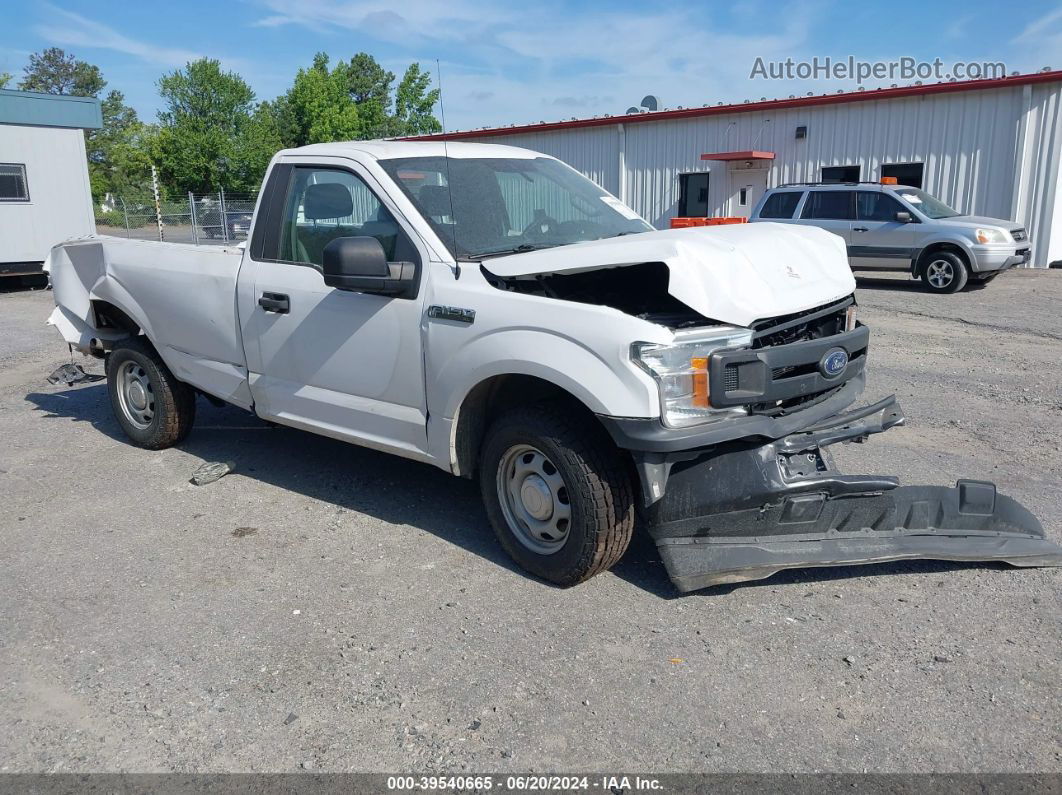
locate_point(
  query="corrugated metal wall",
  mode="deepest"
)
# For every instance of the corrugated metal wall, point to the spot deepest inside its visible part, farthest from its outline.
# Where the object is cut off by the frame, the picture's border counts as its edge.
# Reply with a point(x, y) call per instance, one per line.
point(989, 152)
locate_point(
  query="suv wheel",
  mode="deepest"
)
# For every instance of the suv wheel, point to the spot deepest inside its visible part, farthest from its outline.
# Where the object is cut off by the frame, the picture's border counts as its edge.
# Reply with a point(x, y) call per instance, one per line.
point(945, 272)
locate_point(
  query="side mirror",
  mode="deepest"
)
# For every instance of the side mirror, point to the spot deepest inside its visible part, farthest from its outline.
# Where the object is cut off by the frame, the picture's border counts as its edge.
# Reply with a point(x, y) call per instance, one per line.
point(359, 264)
point(904, 217)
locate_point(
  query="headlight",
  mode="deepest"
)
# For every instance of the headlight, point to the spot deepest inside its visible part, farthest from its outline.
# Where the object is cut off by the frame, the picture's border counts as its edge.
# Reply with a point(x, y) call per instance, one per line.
point(681, 372)
point(991, 236)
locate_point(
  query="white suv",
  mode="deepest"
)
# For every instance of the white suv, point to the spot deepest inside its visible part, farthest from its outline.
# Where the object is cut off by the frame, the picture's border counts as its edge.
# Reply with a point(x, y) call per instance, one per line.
point(896, 227)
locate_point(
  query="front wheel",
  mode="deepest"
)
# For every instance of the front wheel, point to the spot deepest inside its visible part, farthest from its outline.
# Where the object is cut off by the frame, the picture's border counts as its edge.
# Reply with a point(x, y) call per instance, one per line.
point(556, 492)
point(945, 272)
point(154, 409)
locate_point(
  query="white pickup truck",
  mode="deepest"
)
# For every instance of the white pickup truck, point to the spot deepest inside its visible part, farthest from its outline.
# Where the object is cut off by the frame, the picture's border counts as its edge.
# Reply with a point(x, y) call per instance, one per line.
point(492, 312)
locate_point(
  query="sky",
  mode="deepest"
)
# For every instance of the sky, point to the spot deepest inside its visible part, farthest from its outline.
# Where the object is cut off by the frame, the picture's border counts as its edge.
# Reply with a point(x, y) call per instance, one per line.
point(513, 63)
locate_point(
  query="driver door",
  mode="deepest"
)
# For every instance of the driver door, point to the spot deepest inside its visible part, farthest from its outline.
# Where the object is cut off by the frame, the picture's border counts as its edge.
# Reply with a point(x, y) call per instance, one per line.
point(339, 363)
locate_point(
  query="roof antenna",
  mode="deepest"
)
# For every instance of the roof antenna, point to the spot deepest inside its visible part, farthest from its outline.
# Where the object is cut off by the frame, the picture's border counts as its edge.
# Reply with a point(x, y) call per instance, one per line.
point(446, 160)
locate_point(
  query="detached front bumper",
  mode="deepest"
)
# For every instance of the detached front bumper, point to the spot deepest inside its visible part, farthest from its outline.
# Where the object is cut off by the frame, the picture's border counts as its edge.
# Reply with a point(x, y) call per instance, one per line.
point(746, 510)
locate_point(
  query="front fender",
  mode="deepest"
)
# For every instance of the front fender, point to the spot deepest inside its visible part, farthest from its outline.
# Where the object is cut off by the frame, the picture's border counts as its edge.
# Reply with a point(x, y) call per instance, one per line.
point(604, 386)
point(950, 240)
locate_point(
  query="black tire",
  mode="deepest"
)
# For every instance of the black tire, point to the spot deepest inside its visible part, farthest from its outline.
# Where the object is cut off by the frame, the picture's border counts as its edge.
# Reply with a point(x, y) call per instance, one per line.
point(597, 484)
point(944, 272)
point(170, 403)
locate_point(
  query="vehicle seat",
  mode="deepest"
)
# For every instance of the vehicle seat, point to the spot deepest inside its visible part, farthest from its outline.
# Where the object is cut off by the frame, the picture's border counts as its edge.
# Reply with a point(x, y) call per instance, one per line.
point(326, 201)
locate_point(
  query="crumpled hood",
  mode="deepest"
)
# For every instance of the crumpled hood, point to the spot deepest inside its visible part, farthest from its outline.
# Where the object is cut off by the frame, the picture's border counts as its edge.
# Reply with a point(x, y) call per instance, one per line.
point(735, 273)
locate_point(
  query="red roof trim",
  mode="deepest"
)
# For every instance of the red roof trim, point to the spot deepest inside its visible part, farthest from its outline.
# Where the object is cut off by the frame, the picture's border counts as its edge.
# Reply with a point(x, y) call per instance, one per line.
point(751, 154)
point(751, 107)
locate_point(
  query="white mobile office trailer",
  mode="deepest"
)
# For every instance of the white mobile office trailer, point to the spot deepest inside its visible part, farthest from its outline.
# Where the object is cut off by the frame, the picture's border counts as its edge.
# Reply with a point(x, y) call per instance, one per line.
point(986, 147)
point(45, 197)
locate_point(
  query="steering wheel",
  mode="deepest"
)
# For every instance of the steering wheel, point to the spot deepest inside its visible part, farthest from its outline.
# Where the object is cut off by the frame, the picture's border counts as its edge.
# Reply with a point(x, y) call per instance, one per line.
point(540, 227)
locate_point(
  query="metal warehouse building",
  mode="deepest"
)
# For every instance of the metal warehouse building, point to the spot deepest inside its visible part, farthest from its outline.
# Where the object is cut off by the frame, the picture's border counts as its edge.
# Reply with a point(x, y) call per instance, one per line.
point(45, 196)
point(986, 147)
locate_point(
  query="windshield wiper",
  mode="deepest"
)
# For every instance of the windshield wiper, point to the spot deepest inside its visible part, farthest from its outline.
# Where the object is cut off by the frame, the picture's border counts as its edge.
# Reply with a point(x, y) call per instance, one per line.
point(521, 249)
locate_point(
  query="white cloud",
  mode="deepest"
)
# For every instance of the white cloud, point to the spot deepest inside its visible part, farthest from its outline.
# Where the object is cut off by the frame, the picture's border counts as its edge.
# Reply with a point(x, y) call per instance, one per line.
point(1041, 40)
point(66, 27)
point(520, 64)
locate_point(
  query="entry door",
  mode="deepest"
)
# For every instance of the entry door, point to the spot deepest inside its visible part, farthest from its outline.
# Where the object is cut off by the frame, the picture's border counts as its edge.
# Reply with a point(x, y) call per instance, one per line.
point(747, 186)
point(340, 363)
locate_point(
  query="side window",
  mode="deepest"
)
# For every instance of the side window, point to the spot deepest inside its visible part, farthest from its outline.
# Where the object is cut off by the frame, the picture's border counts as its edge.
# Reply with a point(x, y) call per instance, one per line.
point(781, 204)
point(872, 206)
point(829, 205)
point(13, 186)
point(323, 204)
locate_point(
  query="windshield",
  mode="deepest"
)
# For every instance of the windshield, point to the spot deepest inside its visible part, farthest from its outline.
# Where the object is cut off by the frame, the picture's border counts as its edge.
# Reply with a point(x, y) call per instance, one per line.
point(505, 205)
point(929, 206)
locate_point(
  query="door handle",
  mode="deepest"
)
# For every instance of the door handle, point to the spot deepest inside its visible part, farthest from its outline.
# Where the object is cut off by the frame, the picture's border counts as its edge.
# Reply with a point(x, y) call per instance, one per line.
point(860, 229)
point(275, 302)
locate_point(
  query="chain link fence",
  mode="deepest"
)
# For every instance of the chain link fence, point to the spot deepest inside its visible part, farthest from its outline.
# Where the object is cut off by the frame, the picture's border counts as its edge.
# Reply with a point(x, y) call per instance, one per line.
point(200, 218)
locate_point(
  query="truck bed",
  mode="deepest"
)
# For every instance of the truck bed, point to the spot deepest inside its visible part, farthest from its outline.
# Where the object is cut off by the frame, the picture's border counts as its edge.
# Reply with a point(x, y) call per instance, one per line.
point(182, 296)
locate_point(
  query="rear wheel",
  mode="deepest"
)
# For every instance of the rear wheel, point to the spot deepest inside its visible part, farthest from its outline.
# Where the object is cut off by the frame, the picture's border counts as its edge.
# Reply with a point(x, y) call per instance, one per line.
point(945, 272)
point(154, 409)
point(556, 492)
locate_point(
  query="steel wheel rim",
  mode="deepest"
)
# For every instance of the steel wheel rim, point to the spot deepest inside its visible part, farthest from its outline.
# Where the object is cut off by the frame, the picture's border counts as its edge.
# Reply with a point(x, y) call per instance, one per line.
point(940, 273)
point(534, 499)
point(135, 394)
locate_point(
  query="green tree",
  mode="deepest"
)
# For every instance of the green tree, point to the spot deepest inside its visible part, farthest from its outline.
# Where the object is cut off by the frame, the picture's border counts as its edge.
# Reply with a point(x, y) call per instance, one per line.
point(119, 162)
point(414, 104)
point(5, 78)
point(211, 135)
point(354, 100)
point(369, 85)
point(53, 71)
point(318, 107)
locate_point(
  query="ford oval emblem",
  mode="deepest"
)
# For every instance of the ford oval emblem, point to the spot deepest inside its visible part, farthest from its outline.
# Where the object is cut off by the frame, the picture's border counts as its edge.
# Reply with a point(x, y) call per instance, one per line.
point(834, 363)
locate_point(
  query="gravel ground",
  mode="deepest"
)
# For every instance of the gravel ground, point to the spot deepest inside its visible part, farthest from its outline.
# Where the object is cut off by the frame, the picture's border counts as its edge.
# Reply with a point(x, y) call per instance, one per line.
point(331, 608)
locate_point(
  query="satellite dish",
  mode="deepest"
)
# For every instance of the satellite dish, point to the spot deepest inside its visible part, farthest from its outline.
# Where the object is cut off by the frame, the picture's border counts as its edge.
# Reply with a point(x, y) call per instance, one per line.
point(633, 109)
point(650, 103)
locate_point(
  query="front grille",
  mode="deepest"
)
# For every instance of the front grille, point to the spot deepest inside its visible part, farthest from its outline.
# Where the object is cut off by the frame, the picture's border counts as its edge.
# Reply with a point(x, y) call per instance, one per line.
point(811, 324)
point(781, 373)
point(1019, 235)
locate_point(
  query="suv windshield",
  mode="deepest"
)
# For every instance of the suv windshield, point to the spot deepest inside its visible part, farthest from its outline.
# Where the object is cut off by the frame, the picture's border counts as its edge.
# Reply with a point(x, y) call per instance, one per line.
point(481, 207)
point(929, 206)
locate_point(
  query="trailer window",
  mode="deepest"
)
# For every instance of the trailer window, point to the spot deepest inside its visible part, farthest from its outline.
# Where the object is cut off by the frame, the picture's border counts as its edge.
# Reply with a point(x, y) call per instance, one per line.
point(13, 186)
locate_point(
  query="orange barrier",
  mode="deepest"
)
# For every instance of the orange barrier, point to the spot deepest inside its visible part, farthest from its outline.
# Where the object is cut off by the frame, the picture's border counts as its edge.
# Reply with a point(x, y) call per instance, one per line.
point(683, 223)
